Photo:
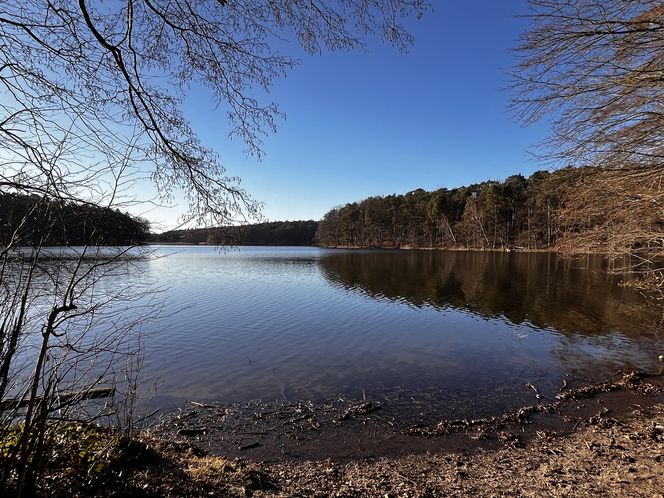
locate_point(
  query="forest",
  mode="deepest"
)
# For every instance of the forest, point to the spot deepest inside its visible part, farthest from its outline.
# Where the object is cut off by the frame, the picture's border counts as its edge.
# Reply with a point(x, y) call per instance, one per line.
point(37, 220)
point(518, 212)
point(576, 209)
point(276, 233)
point(571, 210)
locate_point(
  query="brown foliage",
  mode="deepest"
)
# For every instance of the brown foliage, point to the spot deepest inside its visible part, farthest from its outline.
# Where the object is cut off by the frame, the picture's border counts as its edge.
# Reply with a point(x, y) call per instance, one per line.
point(616, 212)
point(619, 212)
point(596, 69)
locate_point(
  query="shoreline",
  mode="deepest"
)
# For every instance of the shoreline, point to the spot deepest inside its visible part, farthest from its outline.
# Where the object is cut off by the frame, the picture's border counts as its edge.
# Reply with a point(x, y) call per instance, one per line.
point(451, 249)
point(369, 248)
point(558, 252)
point(404, 248)
point(602, 439)
point(356, 429)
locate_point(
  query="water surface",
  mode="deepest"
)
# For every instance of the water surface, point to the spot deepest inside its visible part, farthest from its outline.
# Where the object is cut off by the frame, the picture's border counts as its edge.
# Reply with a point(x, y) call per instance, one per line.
point(470, 329)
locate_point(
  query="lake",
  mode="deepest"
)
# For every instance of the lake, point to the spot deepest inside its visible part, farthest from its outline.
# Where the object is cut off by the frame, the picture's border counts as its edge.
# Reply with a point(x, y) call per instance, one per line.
point(466, 331)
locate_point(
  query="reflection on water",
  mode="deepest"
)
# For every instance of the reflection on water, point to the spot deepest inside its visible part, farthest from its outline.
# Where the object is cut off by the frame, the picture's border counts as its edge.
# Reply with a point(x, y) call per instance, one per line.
point(470, 328)
point(569, 295)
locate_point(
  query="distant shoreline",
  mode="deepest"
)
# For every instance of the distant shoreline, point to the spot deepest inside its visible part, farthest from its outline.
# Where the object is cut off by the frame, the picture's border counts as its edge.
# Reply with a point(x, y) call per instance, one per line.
point(386, 248)
point(472, 249)
point(362, 248)
point(211, 244)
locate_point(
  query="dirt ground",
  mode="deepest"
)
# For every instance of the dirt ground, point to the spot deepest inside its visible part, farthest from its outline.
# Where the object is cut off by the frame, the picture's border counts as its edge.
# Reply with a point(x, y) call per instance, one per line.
point(610, 458)
point(601, 440)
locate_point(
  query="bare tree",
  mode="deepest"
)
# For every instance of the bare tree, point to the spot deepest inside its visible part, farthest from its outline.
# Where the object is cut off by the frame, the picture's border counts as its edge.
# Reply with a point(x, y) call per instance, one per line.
point(618, 212)
point(90, 104)
point(595, 69)
point(69, 317)
point(111, 77)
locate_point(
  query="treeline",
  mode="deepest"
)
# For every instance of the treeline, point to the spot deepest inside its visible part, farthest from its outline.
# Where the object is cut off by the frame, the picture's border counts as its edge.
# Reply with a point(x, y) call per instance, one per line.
point(277, 233)
point(516, 213)
point(35, 220)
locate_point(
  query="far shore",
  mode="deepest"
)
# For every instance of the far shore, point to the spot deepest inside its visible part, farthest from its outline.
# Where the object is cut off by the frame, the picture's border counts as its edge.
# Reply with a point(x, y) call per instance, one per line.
point(389, 248)
point(456, 249)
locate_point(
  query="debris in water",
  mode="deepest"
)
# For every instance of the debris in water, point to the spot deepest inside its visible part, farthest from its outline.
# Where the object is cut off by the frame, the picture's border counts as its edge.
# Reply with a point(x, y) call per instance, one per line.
point(537, 394)
point(359, 409)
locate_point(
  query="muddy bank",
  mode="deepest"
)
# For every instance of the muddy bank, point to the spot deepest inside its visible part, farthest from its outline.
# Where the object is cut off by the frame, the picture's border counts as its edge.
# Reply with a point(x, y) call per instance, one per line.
point(602, 457)
point(609, 458)
point(345, 430)
point(605, 439)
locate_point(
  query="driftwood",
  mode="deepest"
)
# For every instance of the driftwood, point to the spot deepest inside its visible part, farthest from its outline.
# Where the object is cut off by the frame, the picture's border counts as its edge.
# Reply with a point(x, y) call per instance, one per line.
point(193, 431)
point(99, 392)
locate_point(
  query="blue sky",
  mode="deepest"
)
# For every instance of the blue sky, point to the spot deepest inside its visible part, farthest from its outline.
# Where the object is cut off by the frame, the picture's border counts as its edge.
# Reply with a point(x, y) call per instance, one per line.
point(361, 124)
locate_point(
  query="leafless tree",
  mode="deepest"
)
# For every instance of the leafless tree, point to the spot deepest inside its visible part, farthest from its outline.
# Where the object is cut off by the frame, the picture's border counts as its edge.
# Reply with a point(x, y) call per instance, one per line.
point(90, 103)
point(595, 69)
point(69, 317)
point(619, 212)
point(111, 77)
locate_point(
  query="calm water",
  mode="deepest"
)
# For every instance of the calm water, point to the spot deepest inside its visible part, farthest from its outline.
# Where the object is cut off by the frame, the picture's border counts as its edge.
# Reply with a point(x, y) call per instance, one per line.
point(470, 329)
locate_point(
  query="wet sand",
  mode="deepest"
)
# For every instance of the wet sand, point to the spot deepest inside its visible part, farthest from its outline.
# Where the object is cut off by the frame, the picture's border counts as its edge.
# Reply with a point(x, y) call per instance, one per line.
point(345, 430)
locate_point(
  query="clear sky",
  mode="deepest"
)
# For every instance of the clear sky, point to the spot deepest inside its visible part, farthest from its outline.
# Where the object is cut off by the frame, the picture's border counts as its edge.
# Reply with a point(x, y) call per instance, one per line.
point(381, 122)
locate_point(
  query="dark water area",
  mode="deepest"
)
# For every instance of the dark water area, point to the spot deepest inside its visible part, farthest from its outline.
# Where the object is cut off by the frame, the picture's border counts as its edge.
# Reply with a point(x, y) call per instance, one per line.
point(461, 333)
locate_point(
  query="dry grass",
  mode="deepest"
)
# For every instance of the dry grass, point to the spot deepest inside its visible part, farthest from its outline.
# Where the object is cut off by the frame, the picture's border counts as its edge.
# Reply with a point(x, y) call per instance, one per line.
point(209, 468)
